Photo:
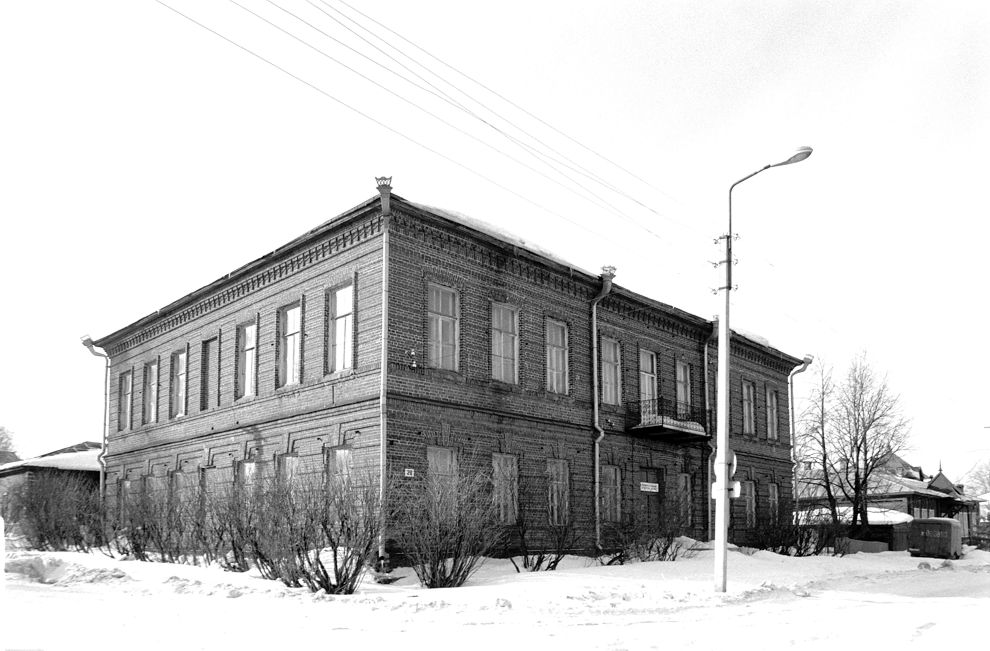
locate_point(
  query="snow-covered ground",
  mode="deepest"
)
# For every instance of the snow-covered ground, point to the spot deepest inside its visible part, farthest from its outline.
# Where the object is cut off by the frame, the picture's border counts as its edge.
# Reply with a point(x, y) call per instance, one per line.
point(89, 601)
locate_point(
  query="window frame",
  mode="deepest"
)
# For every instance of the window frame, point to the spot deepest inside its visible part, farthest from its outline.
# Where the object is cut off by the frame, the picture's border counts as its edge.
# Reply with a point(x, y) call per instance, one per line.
point(558, 492)
point(773, 414)
point(683, 400)
point(178, 383)
point(246, 373)
point(498, 336)
point(749, 495)
point(611, 493)
point(338, 463)
point(347, 359)
point(285, 338)
point(685, 499)
point(435, 345)
point(125, 400)
point(505, 486)
point(611, 371)
point(552, 373)
point(773, 501)
point(209, 372)
point(149, 392)
point(748, 408)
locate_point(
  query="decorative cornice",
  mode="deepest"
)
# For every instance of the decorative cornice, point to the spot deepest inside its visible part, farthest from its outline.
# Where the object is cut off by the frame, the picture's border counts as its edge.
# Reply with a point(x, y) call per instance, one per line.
point(448, 243)
point(281, 269)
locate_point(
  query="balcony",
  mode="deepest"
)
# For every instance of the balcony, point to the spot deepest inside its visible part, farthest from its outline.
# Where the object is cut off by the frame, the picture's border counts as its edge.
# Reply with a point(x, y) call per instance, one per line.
point(668, 420)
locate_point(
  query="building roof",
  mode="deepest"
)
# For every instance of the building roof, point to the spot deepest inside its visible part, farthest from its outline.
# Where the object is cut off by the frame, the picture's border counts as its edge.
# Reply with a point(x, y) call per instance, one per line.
point(473, 225)
point(82, 456)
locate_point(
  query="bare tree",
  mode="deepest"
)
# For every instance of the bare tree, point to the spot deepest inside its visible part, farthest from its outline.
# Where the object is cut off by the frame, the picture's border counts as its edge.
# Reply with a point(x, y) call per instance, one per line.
point(869, 427)
point(7, 451)
point(977, 480)
point(814, 473)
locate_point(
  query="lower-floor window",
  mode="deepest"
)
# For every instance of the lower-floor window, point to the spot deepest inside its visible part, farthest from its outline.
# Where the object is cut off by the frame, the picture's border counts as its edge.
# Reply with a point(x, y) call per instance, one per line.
point(558, 496)
point(611, 488)
point(505, 481)
point(749, 495)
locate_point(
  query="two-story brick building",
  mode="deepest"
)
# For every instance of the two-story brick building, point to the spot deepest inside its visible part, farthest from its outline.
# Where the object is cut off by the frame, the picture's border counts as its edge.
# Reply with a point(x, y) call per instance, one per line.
point(405, 340)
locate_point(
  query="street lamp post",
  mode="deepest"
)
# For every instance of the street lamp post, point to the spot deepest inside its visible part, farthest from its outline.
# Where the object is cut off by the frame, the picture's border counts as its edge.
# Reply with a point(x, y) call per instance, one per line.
point(720, 490)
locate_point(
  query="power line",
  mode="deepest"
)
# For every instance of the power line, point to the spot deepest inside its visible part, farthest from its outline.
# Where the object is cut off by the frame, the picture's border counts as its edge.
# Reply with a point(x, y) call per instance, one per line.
point(576, 167)
point(384, 125)
point(601, 203)
point(503, 98)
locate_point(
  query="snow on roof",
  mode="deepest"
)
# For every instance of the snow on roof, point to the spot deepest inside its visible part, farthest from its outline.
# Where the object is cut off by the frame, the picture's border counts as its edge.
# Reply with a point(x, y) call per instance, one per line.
point(499, 234)
point(875, 515)
point(86, 460)
point(752, 336)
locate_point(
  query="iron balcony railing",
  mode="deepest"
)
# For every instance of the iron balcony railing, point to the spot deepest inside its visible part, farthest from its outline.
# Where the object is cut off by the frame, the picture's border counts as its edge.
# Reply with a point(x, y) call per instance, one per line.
point(661, 412)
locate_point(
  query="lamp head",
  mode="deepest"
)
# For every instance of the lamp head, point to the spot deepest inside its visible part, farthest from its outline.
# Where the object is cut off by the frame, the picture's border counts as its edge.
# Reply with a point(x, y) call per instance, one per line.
point(796, 157)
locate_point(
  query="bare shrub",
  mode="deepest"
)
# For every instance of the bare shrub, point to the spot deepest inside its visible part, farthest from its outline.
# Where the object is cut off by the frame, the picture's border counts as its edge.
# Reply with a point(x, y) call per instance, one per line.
point(542, 548)
point(806, 533)
point(57, 512)
point(446, 526)
point(636, 539)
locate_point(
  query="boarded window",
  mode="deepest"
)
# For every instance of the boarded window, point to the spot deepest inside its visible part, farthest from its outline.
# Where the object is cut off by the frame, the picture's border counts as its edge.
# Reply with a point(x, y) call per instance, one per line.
point(558, 493)
point(287, 468)
point(611, 372)
point(443, 317)
point(505, 480)
point(505, 343)
point(338, 464)
point(556, 356)
point(611, 493)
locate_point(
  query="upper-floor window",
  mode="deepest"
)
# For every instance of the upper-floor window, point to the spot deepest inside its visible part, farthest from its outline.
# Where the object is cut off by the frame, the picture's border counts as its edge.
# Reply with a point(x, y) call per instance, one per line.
point(340, 352)
point(290, 344)
point(444, 327)
point(505, 486)
point(611, 494)
point(505, 343)
point(683, 379)
point(772, 415)
point(177, 384)
point(125, 390)
point(209, 375)
point(556, 356)
point(247, 360)
point(749, 407)
point(647, 376)
point(149, 393)
point(558, 491)
point(611, 372)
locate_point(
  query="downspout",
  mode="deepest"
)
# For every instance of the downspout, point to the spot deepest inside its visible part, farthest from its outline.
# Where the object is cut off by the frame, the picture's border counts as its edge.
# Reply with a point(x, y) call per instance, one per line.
point(790, 408)
point(385, 189)
point(608, 273)
point(87, 341)
point(708, 421)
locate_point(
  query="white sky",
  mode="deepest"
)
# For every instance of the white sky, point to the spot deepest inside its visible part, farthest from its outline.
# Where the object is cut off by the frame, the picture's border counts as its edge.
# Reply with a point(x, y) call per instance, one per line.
point(143, 157)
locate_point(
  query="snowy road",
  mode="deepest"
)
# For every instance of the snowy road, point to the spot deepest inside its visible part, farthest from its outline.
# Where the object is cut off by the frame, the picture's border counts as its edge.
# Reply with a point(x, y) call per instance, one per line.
point(858, 601)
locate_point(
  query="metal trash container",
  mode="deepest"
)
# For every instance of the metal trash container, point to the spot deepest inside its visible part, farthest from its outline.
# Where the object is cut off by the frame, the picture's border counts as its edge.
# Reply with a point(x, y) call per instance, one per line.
point(938, 537)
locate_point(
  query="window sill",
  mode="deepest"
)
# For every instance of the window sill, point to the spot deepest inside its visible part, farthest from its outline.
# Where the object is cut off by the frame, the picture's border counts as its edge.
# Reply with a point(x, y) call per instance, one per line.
point(503, 387)
point(445, 374)
point(338, 375)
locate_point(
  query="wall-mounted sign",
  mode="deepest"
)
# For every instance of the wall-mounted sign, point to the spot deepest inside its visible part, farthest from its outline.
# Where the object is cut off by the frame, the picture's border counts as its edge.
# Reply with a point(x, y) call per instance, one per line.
point(649, 487)
point(410, 472)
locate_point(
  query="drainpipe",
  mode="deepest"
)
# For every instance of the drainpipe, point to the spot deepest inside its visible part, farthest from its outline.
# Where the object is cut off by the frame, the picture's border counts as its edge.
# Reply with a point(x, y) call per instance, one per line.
point(790, 408)
point(608, 273)
point(385, 189)
point(708, 421)
point(87, 341)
